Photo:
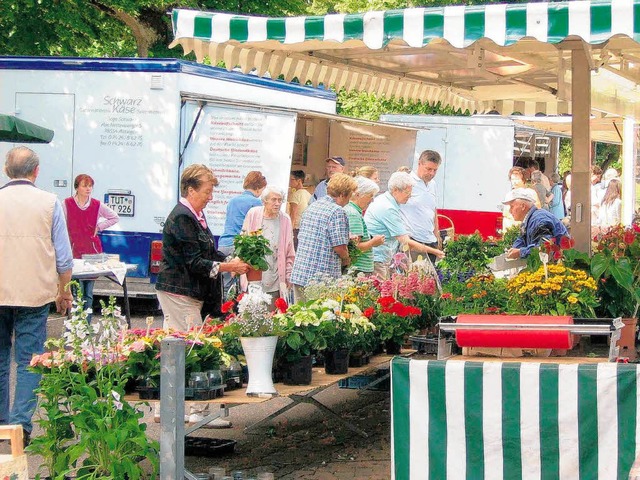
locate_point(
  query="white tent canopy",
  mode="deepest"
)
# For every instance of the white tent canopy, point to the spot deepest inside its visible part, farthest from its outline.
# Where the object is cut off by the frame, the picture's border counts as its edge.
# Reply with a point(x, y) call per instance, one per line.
point(578, 57)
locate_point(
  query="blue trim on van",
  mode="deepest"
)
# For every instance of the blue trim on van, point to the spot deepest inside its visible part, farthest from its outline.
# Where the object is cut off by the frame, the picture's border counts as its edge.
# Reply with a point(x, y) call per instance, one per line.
point(133, 247)
point(165, 65)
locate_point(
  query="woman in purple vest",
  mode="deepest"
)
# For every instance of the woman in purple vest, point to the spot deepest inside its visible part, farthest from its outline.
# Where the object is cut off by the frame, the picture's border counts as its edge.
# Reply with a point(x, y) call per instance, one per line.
point(86, 217)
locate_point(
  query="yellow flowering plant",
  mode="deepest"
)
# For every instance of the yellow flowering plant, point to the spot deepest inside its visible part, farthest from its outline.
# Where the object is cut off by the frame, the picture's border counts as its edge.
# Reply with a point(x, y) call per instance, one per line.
point(558, 291)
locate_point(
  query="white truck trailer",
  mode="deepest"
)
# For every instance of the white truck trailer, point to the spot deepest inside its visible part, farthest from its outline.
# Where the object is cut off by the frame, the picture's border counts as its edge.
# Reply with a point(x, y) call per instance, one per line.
point(134, 124)
point(477, 153)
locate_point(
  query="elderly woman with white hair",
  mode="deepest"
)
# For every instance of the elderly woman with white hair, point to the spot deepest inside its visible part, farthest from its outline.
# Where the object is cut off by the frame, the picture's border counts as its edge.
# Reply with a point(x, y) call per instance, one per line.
point(360, 200)
point(383, 218)
point(277, 228)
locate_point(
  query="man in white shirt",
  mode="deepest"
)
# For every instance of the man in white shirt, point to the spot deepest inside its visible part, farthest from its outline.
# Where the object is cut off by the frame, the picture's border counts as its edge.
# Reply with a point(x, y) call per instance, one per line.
point(420, 214)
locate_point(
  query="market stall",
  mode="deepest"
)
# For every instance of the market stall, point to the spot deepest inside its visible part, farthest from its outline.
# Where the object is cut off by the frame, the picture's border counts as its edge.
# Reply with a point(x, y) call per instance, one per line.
point(538, 58)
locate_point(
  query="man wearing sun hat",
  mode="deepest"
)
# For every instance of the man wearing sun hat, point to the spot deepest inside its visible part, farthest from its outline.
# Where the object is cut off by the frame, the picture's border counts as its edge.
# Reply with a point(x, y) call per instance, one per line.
point(334, 165)
point(537, 226)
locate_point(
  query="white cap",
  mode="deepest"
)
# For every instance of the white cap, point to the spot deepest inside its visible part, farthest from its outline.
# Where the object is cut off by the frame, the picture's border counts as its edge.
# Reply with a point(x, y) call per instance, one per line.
point(519, 194)
point(610, 174)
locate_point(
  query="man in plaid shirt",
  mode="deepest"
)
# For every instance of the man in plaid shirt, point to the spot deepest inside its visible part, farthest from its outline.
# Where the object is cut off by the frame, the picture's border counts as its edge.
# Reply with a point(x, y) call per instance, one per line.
point(323, 236)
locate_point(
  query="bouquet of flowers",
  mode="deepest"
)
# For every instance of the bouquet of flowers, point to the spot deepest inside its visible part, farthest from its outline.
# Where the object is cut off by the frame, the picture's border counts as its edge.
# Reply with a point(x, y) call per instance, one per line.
point(253, 317)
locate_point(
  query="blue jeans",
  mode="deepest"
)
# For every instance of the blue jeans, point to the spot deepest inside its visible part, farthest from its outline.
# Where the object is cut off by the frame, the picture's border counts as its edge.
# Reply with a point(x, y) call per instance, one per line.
point(29, 325)
point(86, 289)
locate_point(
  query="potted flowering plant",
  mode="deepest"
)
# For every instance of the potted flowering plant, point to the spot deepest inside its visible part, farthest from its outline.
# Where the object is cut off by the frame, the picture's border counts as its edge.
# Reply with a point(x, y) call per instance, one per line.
point(480, 294)
point(300, 338)
point(341, 325)
point(394, 320)
point(81, 397)
point(558, 291)
point(252, 248)
point(616, 267)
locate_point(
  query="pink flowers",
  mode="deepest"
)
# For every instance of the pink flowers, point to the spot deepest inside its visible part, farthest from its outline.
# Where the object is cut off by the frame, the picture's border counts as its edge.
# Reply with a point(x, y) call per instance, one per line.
point(404, 286)
point(138, 346)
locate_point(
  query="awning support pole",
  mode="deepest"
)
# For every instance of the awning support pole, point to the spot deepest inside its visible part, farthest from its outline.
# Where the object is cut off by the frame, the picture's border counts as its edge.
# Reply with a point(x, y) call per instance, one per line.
point(581, 148)
point(628, 171)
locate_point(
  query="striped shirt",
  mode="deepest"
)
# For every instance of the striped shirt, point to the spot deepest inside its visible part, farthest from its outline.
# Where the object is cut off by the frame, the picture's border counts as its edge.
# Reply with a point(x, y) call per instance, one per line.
point(359, 228)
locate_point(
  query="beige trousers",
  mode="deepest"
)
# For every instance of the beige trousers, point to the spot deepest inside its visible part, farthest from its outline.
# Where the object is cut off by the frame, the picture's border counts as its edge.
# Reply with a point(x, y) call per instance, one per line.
point(180, 312)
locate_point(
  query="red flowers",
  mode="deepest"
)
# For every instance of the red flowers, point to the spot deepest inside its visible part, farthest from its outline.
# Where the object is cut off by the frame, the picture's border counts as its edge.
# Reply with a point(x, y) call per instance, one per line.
point(281, 305)
point(567, 243)
point(227, 306)
point(629, 236)
point(368, 312)
point(391, 305)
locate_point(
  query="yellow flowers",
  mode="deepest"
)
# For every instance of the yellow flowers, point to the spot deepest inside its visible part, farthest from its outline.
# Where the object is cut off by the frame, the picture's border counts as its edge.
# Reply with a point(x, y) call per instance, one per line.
point(563, 291)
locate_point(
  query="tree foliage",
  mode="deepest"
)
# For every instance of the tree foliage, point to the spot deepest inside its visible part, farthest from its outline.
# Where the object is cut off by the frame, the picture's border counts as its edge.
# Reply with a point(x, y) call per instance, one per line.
point(369, 107)
point(111, 28)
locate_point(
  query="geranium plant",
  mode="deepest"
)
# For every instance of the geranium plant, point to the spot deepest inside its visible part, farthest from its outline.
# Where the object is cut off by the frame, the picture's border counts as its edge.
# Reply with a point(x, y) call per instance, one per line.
point(252, 248)
point(394, 320)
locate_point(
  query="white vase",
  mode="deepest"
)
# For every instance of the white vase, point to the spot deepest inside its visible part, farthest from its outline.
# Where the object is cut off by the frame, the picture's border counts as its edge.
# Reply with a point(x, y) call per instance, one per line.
point(259, 353)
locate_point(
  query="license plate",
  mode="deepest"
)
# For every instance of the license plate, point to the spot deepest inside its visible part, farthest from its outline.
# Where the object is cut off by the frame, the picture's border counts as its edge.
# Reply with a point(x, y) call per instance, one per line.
point(122, 204)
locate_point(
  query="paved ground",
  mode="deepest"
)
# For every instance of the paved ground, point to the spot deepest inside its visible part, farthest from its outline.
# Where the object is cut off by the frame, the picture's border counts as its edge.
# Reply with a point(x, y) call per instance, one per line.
point(300, 445)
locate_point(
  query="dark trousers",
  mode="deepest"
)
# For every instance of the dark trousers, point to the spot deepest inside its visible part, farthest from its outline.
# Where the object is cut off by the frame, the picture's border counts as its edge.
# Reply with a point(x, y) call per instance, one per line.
point(432, 257)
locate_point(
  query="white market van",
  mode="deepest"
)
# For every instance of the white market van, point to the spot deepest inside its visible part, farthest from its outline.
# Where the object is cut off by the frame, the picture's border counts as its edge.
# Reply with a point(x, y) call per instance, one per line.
point(477, 153)
point(134, 124)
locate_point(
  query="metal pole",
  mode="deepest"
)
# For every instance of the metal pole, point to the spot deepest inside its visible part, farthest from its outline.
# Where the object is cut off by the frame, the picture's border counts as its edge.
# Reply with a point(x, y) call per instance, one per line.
point(172, 358)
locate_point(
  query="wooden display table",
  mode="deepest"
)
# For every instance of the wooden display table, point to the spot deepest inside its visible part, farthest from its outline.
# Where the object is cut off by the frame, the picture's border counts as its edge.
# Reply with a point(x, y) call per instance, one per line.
point(13, 466)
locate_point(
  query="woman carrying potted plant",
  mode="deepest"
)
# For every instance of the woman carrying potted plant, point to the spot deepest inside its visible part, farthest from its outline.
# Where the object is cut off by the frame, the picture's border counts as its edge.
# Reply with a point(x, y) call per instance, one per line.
point(191, 262)
point(276, 228)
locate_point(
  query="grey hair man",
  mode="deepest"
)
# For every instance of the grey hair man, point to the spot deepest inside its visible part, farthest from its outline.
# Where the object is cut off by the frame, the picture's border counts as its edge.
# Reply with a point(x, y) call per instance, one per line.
point(538, 225)
point(383, 217)
point(333, 165)
point(419, 213)
point(36, 259)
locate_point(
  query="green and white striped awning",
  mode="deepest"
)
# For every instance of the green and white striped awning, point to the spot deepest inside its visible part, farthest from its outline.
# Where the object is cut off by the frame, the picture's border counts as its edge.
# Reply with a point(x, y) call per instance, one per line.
point(513, 421)
point(507, 58)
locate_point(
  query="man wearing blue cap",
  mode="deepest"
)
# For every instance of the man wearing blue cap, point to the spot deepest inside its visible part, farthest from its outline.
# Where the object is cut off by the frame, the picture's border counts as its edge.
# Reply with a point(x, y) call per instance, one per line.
point(334, 165)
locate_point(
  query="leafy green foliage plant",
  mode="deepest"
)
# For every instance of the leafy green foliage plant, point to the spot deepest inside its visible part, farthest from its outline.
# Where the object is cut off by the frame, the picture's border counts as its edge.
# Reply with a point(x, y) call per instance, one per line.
point(252, 248)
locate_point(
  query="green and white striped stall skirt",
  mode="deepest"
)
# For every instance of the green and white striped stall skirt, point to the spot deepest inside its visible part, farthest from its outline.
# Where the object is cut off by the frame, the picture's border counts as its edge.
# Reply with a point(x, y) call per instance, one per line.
point(505, 420)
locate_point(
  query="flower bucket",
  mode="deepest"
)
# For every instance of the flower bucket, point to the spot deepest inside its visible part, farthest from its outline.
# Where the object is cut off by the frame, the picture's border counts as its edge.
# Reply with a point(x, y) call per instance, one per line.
point(298, 372)
point(336, 362)
point(627, 342)
point(259, 353)
point(254, 275)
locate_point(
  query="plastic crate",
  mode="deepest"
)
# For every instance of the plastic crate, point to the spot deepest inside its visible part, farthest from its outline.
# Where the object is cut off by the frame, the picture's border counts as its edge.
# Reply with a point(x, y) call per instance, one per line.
point(148, 393)
point(208, 447)
point(427, 345)
point(203, 393)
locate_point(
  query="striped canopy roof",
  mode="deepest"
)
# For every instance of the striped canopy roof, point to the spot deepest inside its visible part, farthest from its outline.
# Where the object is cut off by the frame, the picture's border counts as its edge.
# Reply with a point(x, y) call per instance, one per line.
point(505, 58)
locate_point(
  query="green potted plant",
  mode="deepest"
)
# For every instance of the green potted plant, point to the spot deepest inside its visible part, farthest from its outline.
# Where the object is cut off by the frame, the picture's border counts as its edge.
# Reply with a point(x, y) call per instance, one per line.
point(301, 336)
point(252, 248)
point(615, 265)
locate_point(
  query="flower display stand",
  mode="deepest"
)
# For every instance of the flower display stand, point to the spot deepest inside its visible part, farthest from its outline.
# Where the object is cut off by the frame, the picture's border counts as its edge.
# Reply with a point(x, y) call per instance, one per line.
point(13, 466)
